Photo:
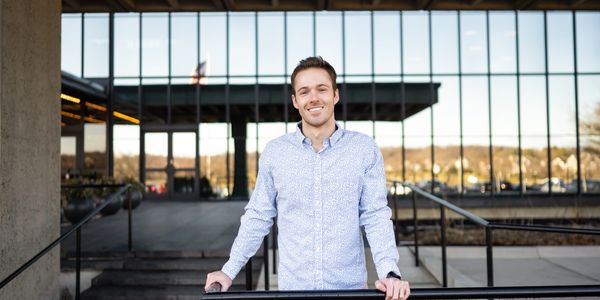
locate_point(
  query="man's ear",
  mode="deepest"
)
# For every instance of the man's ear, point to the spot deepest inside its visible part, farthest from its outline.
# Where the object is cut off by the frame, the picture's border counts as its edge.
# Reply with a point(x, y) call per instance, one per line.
point(294, 102)
point(336, 96)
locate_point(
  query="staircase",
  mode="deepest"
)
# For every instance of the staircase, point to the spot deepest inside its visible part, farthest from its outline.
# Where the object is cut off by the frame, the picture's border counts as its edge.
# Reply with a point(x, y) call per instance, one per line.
point(159, 275)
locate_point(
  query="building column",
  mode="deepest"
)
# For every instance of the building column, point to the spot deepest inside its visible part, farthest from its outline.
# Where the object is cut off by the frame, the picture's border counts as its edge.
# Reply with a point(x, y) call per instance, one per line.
point(29, 145)
point(240, 180)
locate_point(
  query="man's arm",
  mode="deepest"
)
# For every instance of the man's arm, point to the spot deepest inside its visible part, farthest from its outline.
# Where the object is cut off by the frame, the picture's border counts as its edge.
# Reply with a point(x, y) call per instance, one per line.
point(375, 216)
point(255, 224)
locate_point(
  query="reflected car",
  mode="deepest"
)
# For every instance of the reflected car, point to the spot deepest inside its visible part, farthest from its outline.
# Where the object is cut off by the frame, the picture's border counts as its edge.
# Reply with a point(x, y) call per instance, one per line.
point(558, 186)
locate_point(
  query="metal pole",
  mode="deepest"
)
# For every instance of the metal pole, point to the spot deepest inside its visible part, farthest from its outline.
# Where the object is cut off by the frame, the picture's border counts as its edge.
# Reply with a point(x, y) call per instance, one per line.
point(443, 233)
point(489, 256)
point(275, 247)
point(266, 259)
point(249, 275)
point(129, 215)
point(78, 264)
point(415, 228)
point(395, 198)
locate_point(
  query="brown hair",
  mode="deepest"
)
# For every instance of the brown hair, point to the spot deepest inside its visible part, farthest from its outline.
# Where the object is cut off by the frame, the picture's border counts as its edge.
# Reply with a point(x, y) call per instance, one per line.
point(314, 62)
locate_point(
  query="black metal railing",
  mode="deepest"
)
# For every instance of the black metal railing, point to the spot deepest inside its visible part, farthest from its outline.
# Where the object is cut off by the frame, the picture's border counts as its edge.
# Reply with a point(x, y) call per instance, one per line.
point(422, 293)
point(77, 229)
point(489, 227)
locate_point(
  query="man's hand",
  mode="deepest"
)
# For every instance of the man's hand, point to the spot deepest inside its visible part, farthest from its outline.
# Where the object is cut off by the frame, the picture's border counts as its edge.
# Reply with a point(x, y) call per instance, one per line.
point(220, 277)
point(394, 288)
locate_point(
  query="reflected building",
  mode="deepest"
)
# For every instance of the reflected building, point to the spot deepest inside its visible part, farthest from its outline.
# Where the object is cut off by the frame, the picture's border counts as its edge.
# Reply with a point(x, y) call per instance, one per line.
point(482, 103)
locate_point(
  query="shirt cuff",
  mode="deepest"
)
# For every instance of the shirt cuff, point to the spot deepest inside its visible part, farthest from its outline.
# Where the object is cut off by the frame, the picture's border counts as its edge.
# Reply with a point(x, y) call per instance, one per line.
point(386, 267)
point(230, 270)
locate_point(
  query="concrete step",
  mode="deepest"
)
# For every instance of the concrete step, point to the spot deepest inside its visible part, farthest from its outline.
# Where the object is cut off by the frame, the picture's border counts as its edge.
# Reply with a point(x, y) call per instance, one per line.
point(156, 278)
point(189, 264)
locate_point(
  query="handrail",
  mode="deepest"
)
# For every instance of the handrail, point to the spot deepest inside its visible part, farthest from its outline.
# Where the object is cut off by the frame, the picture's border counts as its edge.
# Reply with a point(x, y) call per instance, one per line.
point(422, 293)
point(66, 234)
point(541, 228)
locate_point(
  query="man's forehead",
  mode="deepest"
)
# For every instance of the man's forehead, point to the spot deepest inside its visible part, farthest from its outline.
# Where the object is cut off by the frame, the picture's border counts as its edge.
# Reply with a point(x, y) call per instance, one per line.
point(312, 77)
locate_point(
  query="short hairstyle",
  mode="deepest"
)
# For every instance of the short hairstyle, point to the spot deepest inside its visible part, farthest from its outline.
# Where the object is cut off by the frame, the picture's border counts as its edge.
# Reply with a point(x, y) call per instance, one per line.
point(314, 62)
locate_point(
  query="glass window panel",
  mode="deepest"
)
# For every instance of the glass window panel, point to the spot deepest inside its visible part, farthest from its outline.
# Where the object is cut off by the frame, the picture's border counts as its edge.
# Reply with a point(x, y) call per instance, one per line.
point(506, 165)
point(154, 102)
point(213, 49)
point(531, 42)
point(96, 45)
point(67, 154)
point(475, 106)
point(183, 104)
point(156, 182)
point(270, 44)
point(242, 44)
point(476, 165)
point(473, 42)
point(358, 43)
point(126, 100)
point(388, 136)
point(589, 120)
point(562, 105)
point(126, 145)
point(415, 42)
point(444, 35)
point(127, 45)
point(184, 44)
point(299, 38)
point(502, 42)
point(564, 165)
point(560, 41)
point(418, 160)
point(94, 145)
point(213, 155)
point(155, 47)
point(533, 106)
point(446, 111)
point(504, 106)
point(588, 41)
point(329, 38)
point(184, 149)
point(447, 163)
point(183, 182)
point(387, 42)
point(156, 146)
point(534, 163)
point(70, 44)
point(365, 127)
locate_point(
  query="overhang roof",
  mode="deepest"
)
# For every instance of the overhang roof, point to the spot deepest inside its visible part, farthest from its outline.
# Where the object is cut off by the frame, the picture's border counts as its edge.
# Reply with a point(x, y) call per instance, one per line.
point(73, 6)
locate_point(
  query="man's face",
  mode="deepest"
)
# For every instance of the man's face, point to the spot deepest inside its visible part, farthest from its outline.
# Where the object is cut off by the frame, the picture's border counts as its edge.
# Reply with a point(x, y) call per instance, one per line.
point(314, 96)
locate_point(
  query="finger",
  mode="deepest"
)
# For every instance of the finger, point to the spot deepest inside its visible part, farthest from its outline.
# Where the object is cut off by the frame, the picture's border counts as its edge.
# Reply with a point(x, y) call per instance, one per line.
point(209, 281)
point(397, 289)
point(380, 286)
point(405, 292)
point(389, 294)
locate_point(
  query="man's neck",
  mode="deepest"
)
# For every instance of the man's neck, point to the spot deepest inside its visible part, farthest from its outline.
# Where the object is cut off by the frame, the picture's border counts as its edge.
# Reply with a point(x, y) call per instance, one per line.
point(317, 135)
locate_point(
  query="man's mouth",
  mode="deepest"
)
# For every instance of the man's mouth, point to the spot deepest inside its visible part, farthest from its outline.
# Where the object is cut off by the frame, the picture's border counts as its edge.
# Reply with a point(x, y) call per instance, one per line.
point(313, 109)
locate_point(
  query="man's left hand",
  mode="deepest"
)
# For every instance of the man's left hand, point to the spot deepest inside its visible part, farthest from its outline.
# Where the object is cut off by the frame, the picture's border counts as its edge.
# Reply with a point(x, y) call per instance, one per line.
point(394, 288)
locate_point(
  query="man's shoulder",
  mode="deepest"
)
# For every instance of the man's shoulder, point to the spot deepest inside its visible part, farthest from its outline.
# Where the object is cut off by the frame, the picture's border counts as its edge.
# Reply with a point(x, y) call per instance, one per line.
point(358, 138)
point(279, 143)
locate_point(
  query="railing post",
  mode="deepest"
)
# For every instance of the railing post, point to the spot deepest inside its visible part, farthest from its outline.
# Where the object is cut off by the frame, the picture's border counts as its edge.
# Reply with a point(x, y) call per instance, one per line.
point(266, 260)
point(129, 215)
point(78, 264)
point(249, 275)
point(489, 255)
point(395, 198)
point(443, 236)
point(415, 227)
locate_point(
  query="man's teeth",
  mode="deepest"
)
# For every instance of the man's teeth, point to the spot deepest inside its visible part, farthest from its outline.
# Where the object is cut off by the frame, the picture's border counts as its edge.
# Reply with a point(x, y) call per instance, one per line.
point(315, 108)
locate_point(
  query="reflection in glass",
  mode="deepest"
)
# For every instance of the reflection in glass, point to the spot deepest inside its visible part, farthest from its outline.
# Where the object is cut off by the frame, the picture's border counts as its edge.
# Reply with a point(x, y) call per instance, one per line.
point(126, 145)
point(415, 42)
point(447, 167)
point(299, 38)
point(589, 128)
point(444, 48)
point(532, 56)
point(213, 33)
point(329, 38)
point(358, 43)
point(127, 45)
point(505, 134)
point(67, 154)
point(155, 44)
point(386, 42)
point(560, 41)
point(588, 41)
point(242, 42)
point(213, 155)
point(270, 44)
point(96, 45)
point(70, 44)
point(473, 42)
point(502, 42)
point(154, 101)
point(156, 147)
point(156, 182)
point(184, 149)
point(94, 145)
point(184, 41)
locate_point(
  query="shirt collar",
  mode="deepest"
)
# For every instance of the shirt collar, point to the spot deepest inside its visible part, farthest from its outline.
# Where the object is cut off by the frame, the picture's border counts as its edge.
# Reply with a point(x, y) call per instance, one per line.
point(334, 138)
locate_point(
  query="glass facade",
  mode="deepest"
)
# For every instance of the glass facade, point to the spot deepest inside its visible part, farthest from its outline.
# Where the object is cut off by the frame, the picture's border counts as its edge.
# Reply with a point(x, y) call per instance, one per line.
point(514, 97)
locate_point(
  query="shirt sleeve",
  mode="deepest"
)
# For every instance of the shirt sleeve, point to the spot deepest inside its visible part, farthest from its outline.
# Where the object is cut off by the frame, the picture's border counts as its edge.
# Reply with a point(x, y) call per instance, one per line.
point(375, 216)
point(256, 221)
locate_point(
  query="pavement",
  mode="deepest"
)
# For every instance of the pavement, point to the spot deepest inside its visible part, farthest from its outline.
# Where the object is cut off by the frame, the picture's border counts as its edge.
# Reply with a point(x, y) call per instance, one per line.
point(203, 227)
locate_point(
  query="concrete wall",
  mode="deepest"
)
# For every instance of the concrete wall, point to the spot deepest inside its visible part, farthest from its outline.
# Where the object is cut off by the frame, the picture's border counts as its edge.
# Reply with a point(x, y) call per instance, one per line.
point(29, 145)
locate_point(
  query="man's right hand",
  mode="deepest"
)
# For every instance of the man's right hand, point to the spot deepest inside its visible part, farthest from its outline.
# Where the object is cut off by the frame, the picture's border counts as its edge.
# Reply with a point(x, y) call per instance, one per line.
point(220, 277)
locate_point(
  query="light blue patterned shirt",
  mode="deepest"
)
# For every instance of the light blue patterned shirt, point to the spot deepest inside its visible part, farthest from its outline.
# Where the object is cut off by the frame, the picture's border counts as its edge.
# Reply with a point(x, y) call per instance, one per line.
point(321, 200)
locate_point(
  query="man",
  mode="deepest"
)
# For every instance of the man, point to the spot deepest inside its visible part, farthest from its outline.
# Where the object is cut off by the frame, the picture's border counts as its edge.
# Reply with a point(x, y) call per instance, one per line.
point(323, 183)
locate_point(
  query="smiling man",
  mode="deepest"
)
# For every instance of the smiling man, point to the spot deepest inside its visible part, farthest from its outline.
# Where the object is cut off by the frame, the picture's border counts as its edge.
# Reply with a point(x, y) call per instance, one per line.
point(323, 183)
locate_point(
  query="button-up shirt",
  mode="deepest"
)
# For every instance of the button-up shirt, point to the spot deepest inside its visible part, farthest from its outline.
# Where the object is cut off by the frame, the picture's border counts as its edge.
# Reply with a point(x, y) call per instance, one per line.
point(321, 200)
